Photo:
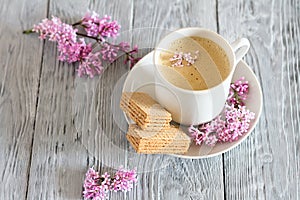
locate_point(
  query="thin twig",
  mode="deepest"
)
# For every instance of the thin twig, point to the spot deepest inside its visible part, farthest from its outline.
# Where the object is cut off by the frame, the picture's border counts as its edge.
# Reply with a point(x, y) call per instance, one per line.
point(28, 31)
point(91, 37)
point(77, 23)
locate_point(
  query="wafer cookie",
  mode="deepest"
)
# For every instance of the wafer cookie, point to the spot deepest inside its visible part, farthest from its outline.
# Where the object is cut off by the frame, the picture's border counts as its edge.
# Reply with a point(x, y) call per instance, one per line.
point(146, 112)
point(146, 106)
point(172, 140)
point(149, 125)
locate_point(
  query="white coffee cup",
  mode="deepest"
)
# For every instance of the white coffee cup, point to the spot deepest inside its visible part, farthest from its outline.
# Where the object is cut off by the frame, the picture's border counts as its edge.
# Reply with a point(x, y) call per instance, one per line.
point(192, 107)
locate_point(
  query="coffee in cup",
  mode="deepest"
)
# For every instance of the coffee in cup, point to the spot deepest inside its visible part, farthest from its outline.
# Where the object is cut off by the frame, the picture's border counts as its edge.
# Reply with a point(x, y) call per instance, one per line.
point(192, 101)
point(211, 65)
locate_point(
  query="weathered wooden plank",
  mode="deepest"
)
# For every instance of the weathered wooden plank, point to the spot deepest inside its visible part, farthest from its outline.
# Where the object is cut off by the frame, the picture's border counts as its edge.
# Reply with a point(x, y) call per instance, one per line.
point(20, 61)
point(266, 165)
point(166, 177)
point(74, 127)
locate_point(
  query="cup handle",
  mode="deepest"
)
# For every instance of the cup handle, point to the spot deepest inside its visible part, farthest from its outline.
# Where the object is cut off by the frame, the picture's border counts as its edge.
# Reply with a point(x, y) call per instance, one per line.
point(240, 48)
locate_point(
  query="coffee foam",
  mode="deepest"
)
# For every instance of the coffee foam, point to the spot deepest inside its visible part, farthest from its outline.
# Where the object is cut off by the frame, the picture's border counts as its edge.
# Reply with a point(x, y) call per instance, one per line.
point(210, 68)
point(176, 78)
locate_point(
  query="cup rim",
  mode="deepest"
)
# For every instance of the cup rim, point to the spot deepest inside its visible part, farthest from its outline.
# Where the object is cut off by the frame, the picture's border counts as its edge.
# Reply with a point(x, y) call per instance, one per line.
point(195, 91)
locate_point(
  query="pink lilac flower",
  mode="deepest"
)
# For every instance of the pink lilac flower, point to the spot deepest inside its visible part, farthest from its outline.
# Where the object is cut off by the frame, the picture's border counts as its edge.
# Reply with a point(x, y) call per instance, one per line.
point(124, 46)
point(96, 26)
point(64, 35)
point(106, 178)
point(92, 187)
point(132, 60)
point(90, 65)
point(211, 139)
point(73, 52)
point(217, 125)
point(109, 52)
point(203, 135)
point(238, 92)
point(123, 180)
point(97, 187)
point(179, 57)
point(55, 30)
point(237, 123)
point(130, 56)
point(197, 135)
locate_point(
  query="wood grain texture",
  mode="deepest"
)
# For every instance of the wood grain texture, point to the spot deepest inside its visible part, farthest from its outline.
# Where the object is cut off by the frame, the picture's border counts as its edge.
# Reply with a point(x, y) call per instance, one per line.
point(19, 77)
point(266, 165)
point(168, 177)
point(68, 137)
point(54, 125)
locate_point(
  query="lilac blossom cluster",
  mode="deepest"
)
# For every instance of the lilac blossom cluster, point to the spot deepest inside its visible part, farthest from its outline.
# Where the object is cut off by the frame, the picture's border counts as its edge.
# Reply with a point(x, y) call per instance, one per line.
point(231, 124)
point(72, 46)
point(103, 27)
point(178, 58)
point(97, 187)
point(238, 92)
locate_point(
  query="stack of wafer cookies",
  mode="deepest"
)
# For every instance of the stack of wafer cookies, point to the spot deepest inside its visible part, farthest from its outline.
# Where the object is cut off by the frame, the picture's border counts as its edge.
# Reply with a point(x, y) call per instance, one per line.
point(152, 132)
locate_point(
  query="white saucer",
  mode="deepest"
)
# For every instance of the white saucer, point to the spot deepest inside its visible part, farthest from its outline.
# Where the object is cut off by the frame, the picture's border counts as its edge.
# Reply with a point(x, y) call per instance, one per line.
point(141, 78)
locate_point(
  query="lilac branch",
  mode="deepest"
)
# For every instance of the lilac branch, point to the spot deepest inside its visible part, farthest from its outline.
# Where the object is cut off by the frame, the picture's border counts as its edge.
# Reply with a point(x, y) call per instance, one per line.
point(74, 49)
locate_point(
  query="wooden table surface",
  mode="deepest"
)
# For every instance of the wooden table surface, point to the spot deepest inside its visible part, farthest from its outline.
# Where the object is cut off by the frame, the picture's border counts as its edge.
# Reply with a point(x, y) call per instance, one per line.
point(54, 125)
